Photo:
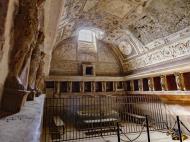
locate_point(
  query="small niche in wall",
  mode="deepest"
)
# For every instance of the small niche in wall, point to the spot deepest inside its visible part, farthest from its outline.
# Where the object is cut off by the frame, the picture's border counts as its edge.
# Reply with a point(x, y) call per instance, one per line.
point(186, 77)
point(88, 69)
point(120, 85)
point(75, 86)
point(128, 85)
point(136, 85)
point(98, 86)
point(145, 84)
point(109, 86)
point(49, 84)
point(63, 87)
point(157, 84)
point(171, 82)
point(87, 86)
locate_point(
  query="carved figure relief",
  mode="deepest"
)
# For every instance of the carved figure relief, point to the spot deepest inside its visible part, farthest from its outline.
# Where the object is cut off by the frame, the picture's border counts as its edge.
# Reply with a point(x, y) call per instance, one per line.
point(125, 48)
point(132, 85)
point(82, 86)
point(35, 62)
point(40, 75)
point(150, 84)
point(104, 86)
point(93, 87)
point(140, 85)
point(179, 81)
point(69, 86)
point(163, 83)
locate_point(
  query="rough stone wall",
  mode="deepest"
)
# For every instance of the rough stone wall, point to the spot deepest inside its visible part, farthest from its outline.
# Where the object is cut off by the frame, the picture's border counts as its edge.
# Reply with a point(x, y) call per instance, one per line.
point(6, 25)
point(3, 14)
point(21, 21)
point(25, 20)
point(67, 59)
point(21, 36)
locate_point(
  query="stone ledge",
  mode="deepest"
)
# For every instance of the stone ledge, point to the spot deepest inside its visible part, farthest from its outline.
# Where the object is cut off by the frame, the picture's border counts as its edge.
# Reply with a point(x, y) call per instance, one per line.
point(24, 126)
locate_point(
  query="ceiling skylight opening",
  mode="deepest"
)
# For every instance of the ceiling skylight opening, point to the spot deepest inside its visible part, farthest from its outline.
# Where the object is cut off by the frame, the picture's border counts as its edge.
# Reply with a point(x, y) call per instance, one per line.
point(87, 39)
point(86, 36)
point(90, 34)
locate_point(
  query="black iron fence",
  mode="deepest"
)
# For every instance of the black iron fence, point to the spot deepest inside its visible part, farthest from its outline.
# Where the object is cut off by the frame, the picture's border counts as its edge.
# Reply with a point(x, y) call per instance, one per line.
point(80, 117)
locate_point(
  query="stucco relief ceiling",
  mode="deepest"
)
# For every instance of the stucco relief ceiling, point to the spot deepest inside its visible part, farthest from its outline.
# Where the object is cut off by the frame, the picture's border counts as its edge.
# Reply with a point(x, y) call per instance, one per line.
point(134, 23)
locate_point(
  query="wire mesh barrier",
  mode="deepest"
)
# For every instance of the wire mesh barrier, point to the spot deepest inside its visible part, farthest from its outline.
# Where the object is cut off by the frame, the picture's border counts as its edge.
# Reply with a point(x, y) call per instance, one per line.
point(80, 117)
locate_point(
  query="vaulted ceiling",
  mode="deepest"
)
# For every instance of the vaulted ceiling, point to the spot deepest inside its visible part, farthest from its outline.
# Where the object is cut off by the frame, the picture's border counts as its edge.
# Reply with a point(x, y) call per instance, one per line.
point(127, 24)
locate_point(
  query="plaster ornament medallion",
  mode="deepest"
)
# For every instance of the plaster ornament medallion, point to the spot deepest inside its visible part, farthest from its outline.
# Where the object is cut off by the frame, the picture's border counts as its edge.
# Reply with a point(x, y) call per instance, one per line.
point(125, 48)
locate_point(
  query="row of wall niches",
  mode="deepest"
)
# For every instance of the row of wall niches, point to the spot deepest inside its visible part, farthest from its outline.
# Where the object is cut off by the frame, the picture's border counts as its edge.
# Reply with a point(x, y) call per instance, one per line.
point(82, 87)
point(169, 82)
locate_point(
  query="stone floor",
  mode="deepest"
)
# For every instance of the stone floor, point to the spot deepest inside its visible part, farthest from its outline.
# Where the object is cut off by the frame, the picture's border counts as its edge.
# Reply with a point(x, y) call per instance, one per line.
point(155, 137)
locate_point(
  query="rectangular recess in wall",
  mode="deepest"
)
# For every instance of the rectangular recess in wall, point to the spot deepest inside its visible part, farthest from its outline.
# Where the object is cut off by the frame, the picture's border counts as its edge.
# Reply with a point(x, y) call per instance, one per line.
point(49, 84)
point(87, 86)
point(63, 87)
point(128, 85)
point(109, 86)
point(119, 85)
point(157, 84)
point(136, 85)
point(76, 86)
point(186, 77)
point(145, 84)
point(98, 86)
point(171, 82)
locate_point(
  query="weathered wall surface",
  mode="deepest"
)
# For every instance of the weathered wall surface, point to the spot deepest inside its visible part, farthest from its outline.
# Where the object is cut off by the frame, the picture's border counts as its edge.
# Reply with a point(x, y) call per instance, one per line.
point(3, 14)
point(6, 23)
point(52, 12)
point(28, 17)
point(23, 25)
point(67, 59)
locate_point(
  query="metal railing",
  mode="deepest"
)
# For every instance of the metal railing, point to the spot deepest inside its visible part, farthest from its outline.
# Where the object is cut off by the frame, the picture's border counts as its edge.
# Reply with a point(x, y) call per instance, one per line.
point(80, 117)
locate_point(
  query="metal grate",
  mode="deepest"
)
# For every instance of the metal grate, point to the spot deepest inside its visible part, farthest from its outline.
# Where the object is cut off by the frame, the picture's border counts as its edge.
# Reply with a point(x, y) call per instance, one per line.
point(80, 117)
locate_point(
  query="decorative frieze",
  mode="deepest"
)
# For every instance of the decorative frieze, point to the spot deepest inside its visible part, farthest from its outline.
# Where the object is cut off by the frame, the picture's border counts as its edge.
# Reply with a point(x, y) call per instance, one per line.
point(166, 53)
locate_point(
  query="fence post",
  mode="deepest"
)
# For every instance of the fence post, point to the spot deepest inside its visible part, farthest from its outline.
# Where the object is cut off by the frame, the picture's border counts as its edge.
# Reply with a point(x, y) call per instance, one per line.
point(118, 132)
point(179, 129)
point(147, 128)
point(100, 111)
